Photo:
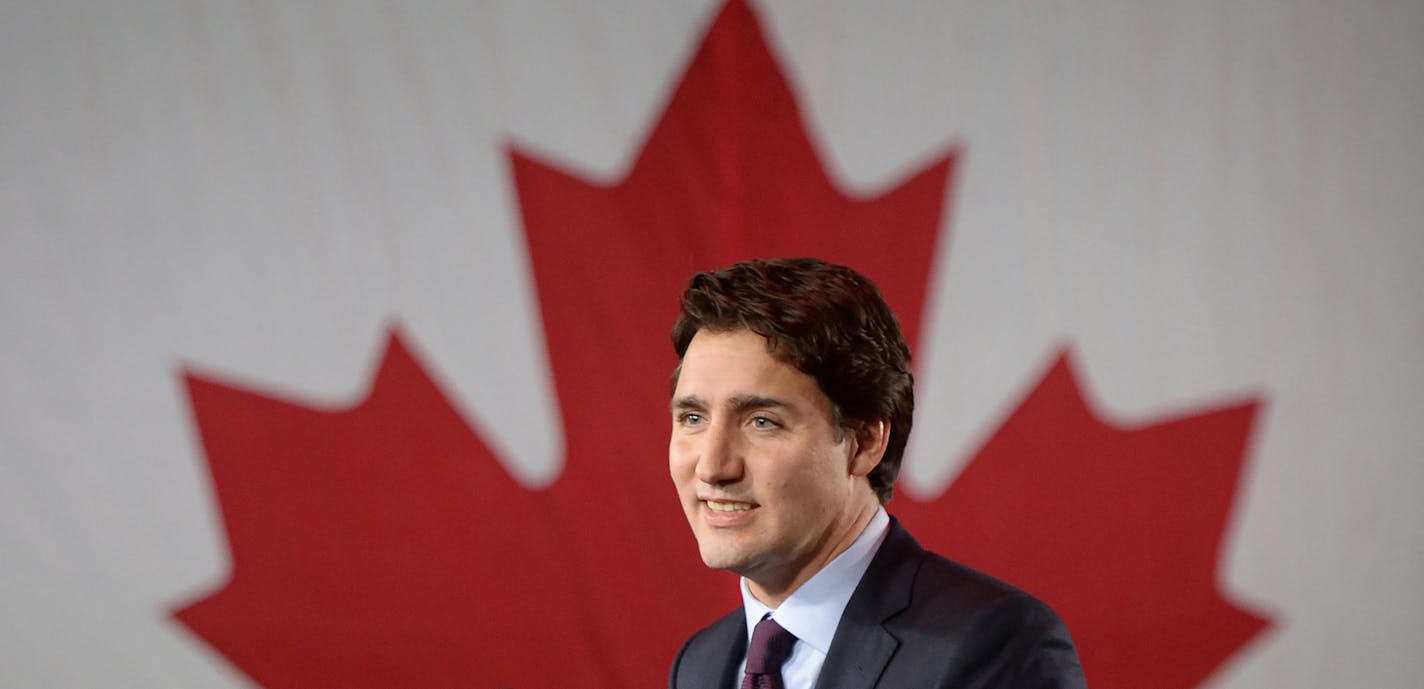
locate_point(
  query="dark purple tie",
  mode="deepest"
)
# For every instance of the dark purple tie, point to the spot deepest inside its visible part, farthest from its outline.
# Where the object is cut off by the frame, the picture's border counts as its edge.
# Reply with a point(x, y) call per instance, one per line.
point(771, 646)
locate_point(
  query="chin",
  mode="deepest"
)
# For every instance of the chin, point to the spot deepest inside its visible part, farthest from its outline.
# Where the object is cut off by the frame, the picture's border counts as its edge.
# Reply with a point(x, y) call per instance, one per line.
point(713, 557)
point(719, 556)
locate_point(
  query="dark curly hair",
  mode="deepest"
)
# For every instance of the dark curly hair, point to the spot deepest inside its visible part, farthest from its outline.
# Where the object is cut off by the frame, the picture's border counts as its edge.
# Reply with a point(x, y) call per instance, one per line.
point(829, 322)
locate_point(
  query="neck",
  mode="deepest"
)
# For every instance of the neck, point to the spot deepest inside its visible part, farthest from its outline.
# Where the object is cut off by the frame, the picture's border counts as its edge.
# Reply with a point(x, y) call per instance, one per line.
point(772, 591)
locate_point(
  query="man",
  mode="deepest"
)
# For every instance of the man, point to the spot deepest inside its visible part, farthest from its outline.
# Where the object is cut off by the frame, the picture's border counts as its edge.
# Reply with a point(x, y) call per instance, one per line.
point(791, 408)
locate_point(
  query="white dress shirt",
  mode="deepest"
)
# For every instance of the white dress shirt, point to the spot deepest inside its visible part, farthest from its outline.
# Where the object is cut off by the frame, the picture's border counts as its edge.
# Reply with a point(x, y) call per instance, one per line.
point(813, 611)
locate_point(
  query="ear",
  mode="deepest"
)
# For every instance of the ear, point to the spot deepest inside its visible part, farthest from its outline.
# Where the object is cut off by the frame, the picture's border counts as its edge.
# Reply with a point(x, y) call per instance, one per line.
point(870, 439)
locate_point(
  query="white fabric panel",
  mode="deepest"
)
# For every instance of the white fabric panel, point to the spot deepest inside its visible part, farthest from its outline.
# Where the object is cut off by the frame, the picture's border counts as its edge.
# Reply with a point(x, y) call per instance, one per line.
point(1205, 200)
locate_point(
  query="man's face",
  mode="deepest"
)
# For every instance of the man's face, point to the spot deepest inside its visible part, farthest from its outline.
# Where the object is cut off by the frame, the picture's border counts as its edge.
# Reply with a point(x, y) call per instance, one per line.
point(770, 486)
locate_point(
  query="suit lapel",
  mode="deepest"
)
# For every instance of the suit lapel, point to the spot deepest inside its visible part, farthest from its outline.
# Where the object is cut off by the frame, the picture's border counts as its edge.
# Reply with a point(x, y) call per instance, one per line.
point(712, 662)
point(732, 660)
point(862, 647)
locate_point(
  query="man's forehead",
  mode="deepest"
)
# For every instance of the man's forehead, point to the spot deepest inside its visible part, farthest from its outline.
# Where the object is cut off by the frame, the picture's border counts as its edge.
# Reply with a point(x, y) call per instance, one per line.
point(738, 358)
point(735, 370)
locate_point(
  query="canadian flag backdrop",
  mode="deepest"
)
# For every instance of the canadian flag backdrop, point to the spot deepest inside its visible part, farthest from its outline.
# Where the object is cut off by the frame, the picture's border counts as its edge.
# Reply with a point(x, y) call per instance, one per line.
point(334, 347)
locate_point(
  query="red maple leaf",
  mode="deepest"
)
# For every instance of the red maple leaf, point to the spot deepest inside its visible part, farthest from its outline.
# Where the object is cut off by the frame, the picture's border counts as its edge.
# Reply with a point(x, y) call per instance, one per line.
point(385, 546)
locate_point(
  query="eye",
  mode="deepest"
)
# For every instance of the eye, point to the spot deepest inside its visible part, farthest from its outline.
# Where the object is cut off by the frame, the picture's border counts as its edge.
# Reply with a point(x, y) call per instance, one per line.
point(689, 418)
point(763, 423)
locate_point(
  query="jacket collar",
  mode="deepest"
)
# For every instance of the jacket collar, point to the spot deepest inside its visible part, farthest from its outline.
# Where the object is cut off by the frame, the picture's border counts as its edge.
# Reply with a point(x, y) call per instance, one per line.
point(862, 645)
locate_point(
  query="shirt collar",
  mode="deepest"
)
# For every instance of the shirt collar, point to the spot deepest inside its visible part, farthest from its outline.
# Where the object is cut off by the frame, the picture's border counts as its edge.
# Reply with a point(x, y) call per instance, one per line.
point(813, 611)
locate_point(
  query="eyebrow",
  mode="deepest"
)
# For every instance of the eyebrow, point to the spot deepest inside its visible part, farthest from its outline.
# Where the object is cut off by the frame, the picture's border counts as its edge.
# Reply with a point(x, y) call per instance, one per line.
point(738, 403)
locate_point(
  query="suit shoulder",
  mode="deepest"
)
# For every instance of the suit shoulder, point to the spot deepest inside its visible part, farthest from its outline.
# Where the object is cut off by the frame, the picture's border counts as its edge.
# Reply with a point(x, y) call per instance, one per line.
point(903, 562)
point(996, 628)
point(944, 583)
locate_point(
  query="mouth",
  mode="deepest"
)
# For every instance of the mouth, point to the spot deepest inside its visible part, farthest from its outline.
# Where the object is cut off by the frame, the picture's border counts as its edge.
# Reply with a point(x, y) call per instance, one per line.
point(723, 506)
point(728, 513)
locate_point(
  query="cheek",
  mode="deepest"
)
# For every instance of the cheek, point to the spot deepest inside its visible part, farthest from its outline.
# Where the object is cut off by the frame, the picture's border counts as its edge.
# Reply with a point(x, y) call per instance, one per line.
point(783, 477)
point(681, 464)
point(813, 480)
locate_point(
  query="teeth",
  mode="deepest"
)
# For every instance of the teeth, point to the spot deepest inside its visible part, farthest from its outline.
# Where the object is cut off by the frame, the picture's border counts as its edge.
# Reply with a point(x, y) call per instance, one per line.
point(728, 506)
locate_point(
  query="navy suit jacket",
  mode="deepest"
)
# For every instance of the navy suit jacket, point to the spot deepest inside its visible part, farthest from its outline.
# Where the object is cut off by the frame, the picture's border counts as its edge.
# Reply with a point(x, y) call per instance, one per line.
point(915, 620)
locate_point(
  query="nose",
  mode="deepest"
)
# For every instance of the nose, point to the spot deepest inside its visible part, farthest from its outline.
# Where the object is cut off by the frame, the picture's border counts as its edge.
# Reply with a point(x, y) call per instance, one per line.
point(720, 461)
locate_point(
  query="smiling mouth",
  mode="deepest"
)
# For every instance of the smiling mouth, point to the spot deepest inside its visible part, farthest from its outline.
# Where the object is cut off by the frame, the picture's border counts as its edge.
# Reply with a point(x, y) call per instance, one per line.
point(719, 506)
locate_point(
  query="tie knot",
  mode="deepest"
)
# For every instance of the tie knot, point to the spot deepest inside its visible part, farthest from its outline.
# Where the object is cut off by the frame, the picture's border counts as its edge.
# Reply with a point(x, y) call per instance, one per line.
point(771, 646)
